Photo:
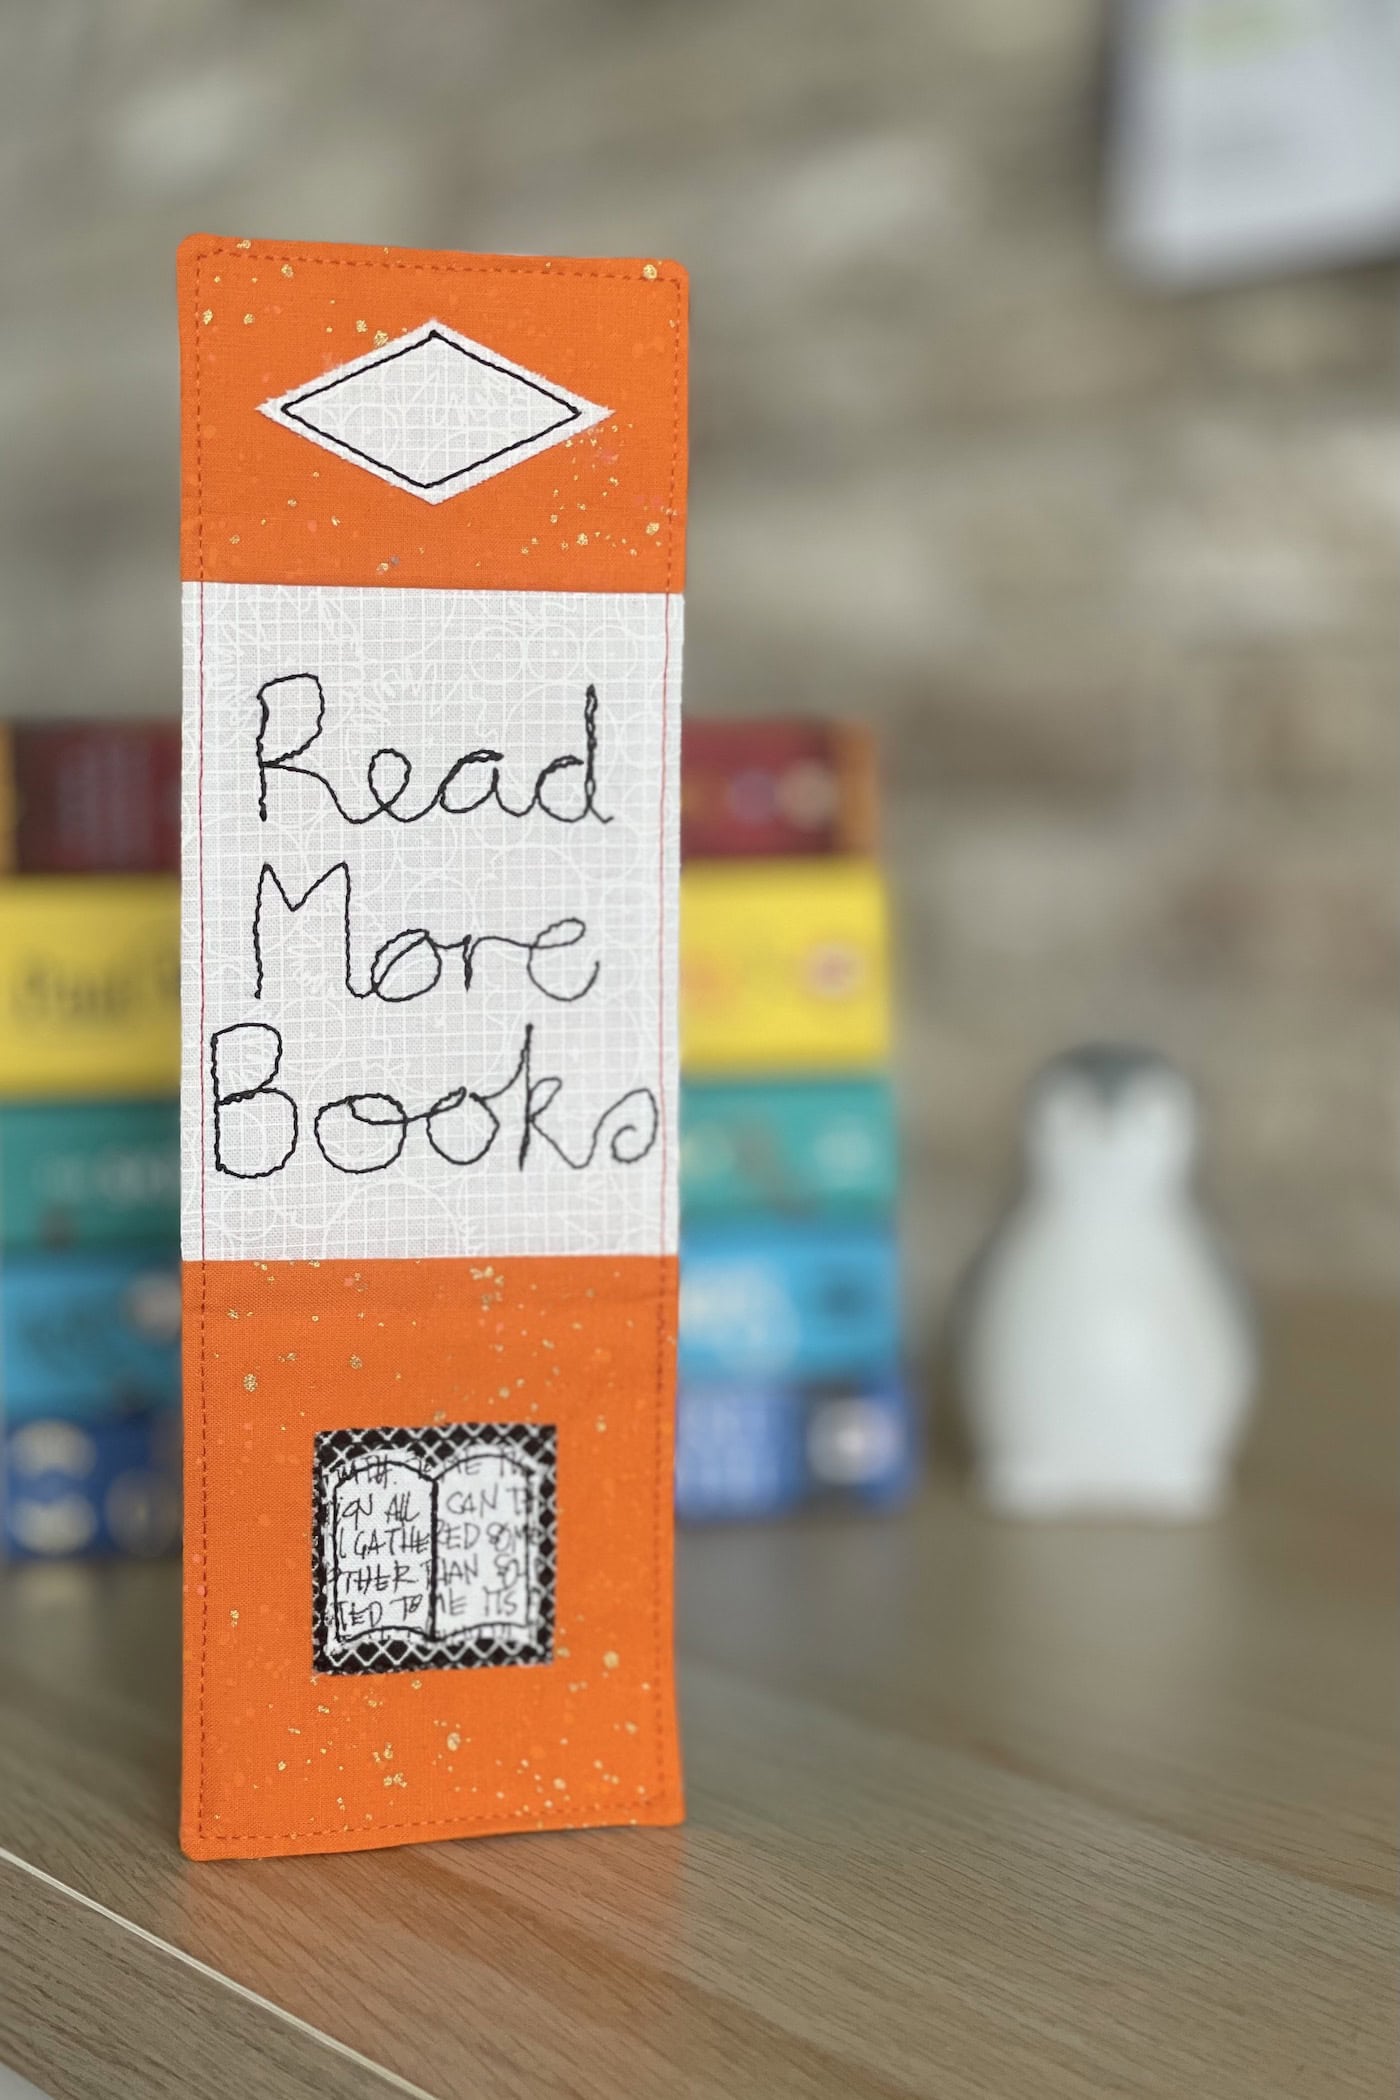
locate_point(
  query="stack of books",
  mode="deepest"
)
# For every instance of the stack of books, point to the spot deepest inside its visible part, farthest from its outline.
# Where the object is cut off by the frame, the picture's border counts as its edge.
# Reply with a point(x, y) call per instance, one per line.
point(89, 1149)
point(790, 1347)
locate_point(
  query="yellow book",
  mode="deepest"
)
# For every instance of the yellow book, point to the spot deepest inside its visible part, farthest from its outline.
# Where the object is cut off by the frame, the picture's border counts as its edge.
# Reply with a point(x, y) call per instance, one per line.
point(784, 966)
point(89, 985)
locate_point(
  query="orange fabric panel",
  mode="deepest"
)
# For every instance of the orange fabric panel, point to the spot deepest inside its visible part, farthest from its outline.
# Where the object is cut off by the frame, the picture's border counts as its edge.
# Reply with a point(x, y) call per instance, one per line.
point(282, 1760)
point(601, 512)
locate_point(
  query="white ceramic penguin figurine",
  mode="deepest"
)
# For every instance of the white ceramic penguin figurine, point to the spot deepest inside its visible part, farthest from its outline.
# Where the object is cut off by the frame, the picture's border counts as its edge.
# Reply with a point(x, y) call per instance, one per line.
point(1106, 1351)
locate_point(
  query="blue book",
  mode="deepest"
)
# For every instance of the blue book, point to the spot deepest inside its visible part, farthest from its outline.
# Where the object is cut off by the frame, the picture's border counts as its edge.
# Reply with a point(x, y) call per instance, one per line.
point(773, 1302)
point(738, 1452)
point(861, 1443)
point(103, 1487)
point(760, 1451)
point(89, 1335)
point(788, 1146)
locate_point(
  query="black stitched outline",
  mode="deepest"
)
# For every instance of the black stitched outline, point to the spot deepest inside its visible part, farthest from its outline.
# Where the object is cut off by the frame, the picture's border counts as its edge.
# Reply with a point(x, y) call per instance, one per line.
point(288, 409)
point(374, 1653)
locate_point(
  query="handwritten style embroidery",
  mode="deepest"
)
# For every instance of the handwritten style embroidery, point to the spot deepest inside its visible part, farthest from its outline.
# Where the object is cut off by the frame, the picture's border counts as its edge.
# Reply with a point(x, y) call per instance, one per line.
point(258, 1126)
point(434, 1548)
point(428, 908)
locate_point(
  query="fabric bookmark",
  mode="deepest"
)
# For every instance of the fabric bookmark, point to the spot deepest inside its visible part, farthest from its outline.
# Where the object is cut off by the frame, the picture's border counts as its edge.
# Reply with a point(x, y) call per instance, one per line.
point(433, 551)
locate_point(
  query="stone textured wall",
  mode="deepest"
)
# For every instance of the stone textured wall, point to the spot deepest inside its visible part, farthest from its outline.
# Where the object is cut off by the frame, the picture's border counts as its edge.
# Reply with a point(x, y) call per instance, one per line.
point(1113, 573)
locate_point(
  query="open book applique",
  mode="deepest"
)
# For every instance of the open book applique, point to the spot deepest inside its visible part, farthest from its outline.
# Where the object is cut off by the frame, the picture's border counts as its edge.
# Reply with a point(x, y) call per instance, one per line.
point(434, 1549)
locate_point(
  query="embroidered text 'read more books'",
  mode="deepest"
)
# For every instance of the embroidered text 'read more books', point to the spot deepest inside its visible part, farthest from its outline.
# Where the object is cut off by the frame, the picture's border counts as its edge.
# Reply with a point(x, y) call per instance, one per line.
point(433, 543)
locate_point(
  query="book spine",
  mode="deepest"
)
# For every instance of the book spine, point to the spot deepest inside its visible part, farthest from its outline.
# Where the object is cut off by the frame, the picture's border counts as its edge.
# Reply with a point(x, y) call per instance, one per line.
point(855, 827)
point(784, 967)
point(101, 1487)
point(89, 986)
point(738, 1451)
point(754, 790)
point(88, 1173)
point(789, 1303)
point(9, 806)
point(791, 1147)
point(757, 1450)
point(94, 798)
point(89, 1337)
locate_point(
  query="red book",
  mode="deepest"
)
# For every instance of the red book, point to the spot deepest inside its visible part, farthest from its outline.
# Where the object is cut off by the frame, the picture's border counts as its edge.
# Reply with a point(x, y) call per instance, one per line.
point(790, 787)
point(92, 798)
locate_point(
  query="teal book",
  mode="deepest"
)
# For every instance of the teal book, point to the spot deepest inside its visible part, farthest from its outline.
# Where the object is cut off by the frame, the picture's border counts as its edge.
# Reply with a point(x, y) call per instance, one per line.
point(88, 1173)
point(791, 1146)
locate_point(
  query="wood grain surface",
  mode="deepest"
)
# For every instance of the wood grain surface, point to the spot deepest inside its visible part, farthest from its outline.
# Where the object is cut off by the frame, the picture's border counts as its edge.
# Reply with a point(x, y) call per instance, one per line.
point(975, 1809)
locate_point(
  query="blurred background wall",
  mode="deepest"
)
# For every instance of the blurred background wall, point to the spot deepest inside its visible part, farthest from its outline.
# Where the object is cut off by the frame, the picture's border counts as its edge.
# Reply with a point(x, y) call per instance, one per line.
point(1113, 573)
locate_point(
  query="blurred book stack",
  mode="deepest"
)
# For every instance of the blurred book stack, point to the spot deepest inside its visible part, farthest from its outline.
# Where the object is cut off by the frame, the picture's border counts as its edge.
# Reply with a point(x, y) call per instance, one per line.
point(790, 1346)
point(89, 1150)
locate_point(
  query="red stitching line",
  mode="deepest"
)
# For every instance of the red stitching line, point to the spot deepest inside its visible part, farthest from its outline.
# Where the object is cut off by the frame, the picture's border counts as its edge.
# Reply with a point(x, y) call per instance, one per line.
point(661, 1479)
point(663, 1484)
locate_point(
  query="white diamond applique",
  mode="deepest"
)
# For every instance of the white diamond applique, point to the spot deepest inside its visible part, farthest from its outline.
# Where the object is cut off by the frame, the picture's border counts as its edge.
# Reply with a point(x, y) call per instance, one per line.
point(434, 413)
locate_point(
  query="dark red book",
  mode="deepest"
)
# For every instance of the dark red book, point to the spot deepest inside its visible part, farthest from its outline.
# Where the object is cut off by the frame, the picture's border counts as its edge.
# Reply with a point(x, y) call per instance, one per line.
point(787, 787)
point(93, 798)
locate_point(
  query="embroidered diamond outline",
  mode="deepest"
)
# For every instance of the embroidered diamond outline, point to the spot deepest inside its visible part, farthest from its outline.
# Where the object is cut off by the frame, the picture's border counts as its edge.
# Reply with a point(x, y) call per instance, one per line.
point(434, 413)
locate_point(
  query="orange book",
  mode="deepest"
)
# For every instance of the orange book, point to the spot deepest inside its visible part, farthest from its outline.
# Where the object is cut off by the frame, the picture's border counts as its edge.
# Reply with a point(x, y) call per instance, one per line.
point(433, 550)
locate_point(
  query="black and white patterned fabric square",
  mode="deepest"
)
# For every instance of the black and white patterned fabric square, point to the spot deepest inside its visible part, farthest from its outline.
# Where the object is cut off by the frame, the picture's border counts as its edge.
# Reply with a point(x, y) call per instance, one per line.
point(434, 1549)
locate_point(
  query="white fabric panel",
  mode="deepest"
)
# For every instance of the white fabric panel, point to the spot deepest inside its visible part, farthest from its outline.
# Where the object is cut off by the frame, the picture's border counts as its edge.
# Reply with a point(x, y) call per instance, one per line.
point(523, 939)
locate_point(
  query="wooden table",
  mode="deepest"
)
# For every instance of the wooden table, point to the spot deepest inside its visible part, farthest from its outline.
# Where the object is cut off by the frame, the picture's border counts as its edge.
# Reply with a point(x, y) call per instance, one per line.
point(976, 1809)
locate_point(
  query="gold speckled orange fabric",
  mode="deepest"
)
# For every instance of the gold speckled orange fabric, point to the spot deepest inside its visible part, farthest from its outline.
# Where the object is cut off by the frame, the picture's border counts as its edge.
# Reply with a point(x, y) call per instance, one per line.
point(280, 1756)
point(260, 316)
point(281, 1760)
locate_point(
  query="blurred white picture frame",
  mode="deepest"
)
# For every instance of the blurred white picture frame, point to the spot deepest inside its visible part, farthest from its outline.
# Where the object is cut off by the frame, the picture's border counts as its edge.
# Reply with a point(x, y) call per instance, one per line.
point(1251, 137)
